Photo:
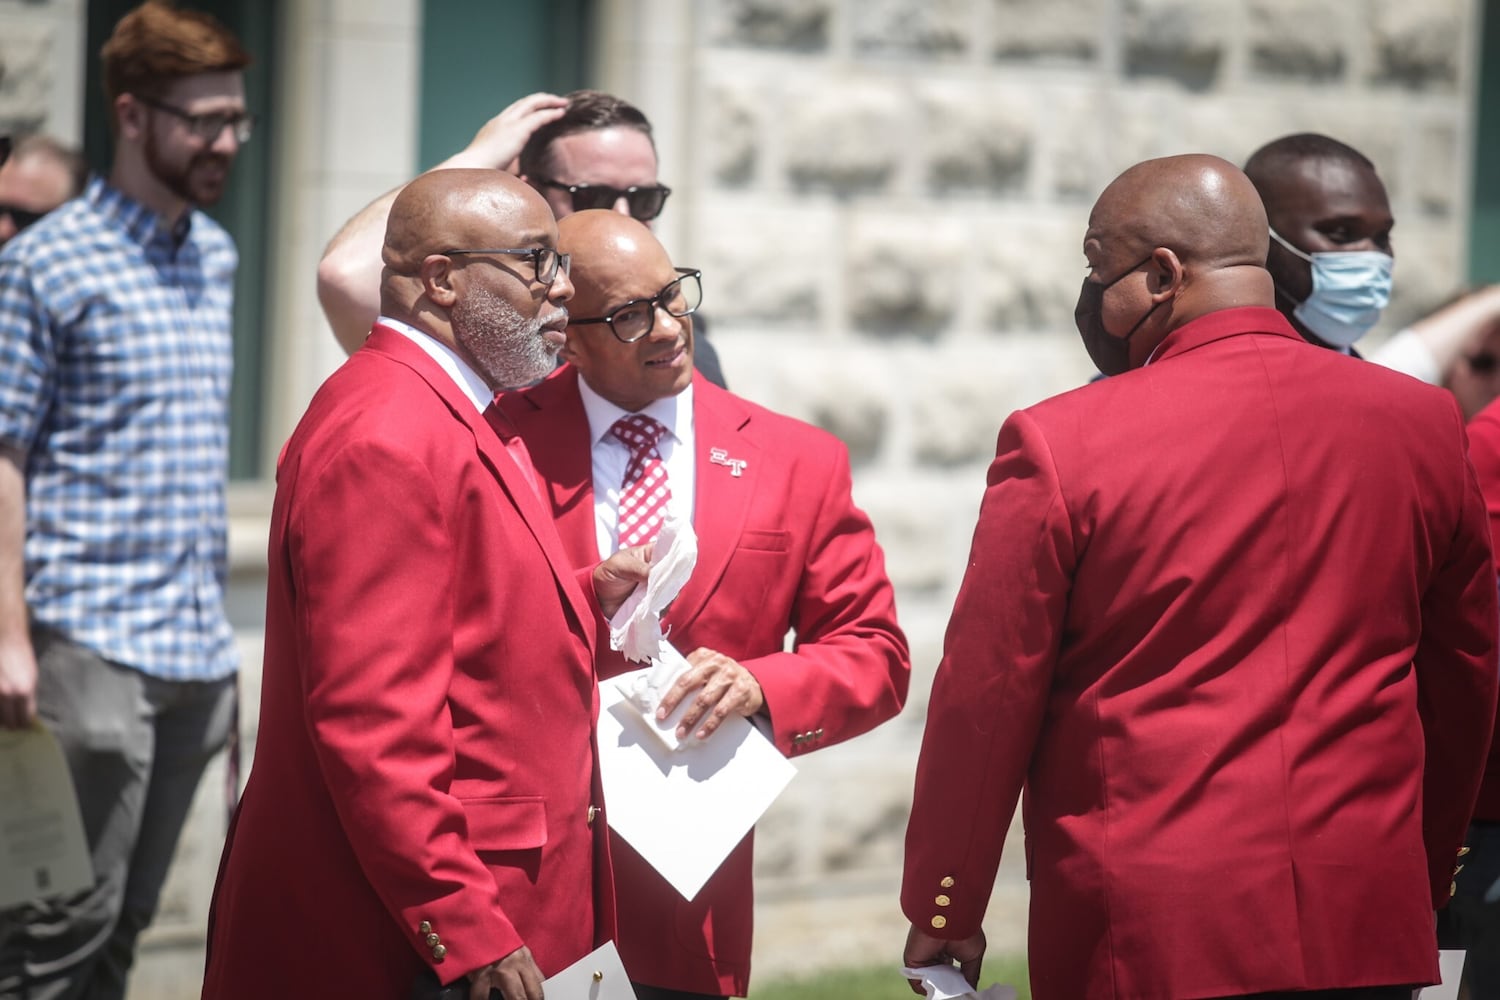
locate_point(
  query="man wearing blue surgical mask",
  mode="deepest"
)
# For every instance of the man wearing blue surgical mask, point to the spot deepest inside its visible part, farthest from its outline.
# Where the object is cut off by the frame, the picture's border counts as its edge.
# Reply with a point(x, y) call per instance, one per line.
point(1330, 219)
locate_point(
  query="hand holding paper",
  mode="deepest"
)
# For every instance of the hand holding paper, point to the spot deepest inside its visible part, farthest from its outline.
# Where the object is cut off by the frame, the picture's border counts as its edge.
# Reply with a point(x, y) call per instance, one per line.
point(945, 982)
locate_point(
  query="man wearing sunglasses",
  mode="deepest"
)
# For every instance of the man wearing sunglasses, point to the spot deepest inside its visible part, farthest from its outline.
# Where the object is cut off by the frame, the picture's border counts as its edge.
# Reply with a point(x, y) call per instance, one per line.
point(40, 174)
point(586, 150)
point(626, 427)
point(115, 365)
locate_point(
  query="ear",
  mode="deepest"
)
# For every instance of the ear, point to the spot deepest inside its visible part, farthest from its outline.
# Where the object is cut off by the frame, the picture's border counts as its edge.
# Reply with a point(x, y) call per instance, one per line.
point(1166, 277)
point(131, 116)
point(436, 274)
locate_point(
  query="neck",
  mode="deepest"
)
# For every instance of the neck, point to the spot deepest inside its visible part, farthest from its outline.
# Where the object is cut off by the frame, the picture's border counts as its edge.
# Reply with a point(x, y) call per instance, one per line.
point(132, 177)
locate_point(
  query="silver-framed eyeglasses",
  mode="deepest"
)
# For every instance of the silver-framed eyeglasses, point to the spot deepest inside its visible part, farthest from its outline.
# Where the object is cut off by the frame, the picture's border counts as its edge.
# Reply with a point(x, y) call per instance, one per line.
point(546, 261)
point(207, 127)
point(637, 318)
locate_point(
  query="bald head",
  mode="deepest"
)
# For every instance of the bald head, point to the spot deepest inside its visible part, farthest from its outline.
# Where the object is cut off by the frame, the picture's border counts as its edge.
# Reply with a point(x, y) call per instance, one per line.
point(620, 269)
point(461, 209)
point(609, 251)
point(1201, 206)
point(500, 311)
point(1189, 234)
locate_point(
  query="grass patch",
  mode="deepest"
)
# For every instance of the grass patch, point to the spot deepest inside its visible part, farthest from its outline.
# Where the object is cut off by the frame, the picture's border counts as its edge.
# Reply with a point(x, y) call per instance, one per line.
point(880, 983)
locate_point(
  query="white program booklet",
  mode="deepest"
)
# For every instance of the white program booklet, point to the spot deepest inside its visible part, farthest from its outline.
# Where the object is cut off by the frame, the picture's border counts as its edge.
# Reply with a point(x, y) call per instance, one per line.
point(43, 851)
point(599, 975)
point(683, 809)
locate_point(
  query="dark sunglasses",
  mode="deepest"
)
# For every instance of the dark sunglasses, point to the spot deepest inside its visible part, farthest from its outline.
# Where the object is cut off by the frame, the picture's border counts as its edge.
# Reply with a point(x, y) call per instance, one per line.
point(1482, 364)
point(20, 217)
point(645, 203)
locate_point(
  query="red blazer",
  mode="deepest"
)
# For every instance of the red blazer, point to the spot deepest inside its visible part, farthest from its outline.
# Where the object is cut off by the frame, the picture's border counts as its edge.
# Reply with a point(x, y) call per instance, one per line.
point(780, 547)
point(425, 770)
point(1484, 452)
point(1231, 620)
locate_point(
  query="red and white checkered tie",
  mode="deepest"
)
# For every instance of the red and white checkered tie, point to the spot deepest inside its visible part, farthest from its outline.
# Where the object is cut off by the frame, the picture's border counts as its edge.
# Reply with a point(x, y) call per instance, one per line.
point(645, 491)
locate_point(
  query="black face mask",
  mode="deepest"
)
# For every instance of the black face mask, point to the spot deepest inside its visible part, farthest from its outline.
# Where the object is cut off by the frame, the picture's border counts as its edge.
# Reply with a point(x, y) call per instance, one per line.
point(1110, 354)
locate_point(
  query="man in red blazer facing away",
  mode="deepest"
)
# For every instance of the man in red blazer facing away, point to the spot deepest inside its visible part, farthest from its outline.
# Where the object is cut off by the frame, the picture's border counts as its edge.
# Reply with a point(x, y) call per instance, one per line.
point(781, 547)
point(425, 792)
point(1230, 622)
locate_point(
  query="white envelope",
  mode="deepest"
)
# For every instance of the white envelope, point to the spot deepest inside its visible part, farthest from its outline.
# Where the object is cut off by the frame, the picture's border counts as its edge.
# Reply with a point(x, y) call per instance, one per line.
point(684, 810)
point(599, 975)
point(43, 851)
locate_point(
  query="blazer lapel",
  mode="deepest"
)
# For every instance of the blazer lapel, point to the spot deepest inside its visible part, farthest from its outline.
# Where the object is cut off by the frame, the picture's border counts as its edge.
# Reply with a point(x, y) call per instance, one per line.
point(721, 503)
point(550, 417)
point(515, 483)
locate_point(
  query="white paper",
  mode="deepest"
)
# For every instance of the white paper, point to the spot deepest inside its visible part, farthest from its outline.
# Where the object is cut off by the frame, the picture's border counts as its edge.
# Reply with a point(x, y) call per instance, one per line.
point(684, 810)
point(599, 975)
point(635, 630)
point(644, 690)
point(1451, 968)
point(945, 982)
point(43, 851)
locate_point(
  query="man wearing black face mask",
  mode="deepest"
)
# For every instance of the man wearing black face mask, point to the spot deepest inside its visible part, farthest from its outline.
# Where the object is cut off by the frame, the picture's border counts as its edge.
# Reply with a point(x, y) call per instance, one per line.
point(1230, 619)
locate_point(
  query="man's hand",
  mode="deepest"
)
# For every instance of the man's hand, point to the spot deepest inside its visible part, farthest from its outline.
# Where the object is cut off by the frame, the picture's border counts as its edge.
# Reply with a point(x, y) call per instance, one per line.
point(500, 140)
point(515, 976)
point(924, 949)
point(724, 687)
point(17, 684)
point(618, 575)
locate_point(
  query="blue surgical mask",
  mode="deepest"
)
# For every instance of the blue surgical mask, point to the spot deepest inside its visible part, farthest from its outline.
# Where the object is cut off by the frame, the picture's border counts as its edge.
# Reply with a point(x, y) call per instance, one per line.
point(1349, 289)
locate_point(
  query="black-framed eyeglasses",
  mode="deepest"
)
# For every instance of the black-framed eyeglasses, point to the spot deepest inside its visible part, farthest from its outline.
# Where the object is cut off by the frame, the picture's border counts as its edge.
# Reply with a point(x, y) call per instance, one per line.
point(637, 318)
point(645, 202)
point(207, 127)
point(546, 261)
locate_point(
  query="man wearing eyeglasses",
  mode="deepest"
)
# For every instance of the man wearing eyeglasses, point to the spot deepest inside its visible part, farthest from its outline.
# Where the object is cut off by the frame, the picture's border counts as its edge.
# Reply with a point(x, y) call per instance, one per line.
point(625, 432)
point(425, 788)
point(586, 150)
point(115, 361)
point(39, 175)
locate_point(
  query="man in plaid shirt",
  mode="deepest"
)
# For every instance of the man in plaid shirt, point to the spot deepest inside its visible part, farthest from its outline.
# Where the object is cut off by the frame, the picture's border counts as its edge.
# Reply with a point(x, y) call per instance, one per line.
point(115, 365)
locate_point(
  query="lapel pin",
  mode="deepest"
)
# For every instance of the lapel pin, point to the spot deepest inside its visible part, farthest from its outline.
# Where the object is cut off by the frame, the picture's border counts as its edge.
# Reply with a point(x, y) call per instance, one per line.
point(718, 456)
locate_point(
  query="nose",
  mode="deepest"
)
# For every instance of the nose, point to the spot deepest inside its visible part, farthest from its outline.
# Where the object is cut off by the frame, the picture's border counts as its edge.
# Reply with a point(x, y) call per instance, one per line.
point(561, 289)
point(668, 324)
point(621, 205)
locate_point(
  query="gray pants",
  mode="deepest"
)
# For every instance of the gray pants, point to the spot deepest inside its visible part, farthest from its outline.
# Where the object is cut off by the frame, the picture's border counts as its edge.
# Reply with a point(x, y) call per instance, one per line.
point(136, 747)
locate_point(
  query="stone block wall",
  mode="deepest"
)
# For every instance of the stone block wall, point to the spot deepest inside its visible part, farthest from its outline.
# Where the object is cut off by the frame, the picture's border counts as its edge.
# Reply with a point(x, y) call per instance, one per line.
point(888, 200)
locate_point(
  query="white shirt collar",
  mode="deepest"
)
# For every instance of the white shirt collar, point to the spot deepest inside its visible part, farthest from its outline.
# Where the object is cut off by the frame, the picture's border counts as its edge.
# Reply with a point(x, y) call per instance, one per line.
point(466, 378)
point(673, 411)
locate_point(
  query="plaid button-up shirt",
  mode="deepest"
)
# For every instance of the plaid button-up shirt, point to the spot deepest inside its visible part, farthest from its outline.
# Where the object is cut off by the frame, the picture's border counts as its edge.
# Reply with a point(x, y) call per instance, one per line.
point(115, 363)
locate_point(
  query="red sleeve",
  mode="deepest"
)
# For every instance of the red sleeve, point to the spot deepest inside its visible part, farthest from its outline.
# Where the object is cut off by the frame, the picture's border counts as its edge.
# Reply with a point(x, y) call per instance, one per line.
point(850, 668)
point(375, 626)
point(991, 689)
point(1456, 671)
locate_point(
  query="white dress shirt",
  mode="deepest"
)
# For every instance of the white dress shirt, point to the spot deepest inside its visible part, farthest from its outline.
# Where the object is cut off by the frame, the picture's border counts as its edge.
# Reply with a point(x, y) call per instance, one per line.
point(466, 378)
point(611, 456)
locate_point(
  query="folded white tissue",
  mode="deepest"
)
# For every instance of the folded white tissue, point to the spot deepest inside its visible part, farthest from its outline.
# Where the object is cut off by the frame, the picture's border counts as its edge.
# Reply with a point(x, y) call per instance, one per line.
point(635, 630)
point(945, 982)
